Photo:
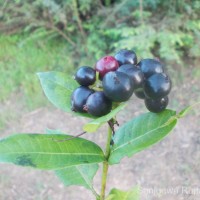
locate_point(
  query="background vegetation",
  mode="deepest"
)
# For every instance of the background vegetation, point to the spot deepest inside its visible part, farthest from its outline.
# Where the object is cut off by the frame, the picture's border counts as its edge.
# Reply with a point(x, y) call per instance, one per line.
point(40, 35)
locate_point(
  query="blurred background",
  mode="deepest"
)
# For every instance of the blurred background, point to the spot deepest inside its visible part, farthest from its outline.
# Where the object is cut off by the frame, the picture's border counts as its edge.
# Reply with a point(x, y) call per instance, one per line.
point(42, 35)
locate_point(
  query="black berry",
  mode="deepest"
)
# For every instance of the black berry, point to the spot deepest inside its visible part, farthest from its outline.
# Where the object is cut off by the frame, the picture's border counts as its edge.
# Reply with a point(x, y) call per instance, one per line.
point(156, 105)
point(140, 93)
point(134, 73)
point(105, 65)
point(98, 104)
point(157, 86)
point(79, 98)
point(150, 66)
point(85, 76)
point(117, 86)
point(126, 57)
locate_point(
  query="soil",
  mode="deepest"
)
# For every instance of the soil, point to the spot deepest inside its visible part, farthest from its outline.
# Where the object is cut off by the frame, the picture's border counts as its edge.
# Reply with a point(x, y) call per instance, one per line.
point(169, 170)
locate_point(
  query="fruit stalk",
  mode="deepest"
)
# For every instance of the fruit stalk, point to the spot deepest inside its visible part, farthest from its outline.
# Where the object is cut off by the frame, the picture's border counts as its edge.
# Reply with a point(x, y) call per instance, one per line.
point(105, 164)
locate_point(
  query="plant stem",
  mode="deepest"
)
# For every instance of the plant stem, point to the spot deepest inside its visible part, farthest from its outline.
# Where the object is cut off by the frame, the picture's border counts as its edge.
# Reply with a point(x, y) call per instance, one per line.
point(105, 165)
point(141, 11)
point(78, 19)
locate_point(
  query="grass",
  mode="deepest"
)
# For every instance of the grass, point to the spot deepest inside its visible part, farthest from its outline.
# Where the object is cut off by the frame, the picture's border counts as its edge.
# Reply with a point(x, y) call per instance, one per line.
point(19, 64)
point(20, 60)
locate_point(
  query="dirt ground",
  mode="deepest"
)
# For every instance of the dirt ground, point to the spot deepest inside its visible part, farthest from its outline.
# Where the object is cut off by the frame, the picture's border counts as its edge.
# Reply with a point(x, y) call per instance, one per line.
point(169, 170)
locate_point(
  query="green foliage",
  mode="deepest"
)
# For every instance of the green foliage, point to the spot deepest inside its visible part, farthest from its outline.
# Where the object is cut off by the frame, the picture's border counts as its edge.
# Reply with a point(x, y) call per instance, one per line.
point(58, 88)
point(44, 151)
point(115, 194)
point(91, 28)
point(19, 63)
point(140, 133)
point(81, 175)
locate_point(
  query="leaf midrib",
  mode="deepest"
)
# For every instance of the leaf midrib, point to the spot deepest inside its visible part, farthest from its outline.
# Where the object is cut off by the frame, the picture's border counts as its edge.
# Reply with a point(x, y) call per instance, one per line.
point(53, 153)
point(57, 83)
point(75, 165)
point(84, 177)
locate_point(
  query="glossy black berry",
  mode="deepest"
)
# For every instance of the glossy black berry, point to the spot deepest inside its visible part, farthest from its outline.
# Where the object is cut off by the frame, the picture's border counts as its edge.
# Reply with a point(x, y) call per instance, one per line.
point(134, 73)
point(150, 66)
point(117, 86)
point(157, 86)
point(85, 76)
point(125, 56)
point(140, 93)
point(98, 104)
point(156, 105)
point(105, 65)
point(79, 98)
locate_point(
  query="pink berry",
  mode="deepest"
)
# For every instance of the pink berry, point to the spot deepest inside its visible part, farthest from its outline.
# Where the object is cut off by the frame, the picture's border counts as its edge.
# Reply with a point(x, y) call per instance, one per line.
point(105, 65)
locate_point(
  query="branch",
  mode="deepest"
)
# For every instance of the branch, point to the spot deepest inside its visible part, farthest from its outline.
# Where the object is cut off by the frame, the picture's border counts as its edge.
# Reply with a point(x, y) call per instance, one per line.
point(78, 18)
point(67, 139)
point(141, 11)
point(64, 35)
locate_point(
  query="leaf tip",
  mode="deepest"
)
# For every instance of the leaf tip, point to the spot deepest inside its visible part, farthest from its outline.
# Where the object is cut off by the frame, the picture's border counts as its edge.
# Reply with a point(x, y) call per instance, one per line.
point(38, 74)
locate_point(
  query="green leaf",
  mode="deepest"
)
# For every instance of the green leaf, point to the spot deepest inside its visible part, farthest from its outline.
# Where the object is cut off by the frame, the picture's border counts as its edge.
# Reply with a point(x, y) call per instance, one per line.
point(81, 175)
point(78, 175)
point(140, 133)
point(96, 123)
point(58, 88)
point(116, 194)
point(44, 151)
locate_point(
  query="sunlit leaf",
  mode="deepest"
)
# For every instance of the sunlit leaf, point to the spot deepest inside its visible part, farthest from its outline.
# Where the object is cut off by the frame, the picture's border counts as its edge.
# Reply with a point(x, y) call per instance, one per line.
point(58, 88)
point(44, 151)
point(81, 175)
point(140, 133)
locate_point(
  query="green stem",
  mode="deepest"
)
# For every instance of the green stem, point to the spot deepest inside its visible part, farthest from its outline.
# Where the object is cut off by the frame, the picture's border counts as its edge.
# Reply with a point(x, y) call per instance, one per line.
point(105, 165)
point(141, 11)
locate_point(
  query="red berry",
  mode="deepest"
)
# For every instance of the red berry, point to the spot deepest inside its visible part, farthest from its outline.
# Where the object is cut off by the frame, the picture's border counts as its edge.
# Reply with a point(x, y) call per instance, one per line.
point(105, 65)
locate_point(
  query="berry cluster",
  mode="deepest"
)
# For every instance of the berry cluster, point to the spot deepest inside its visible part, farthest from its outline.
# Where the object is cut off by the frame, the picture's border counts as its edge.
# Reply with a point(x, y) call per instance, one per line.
point(118, 78)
